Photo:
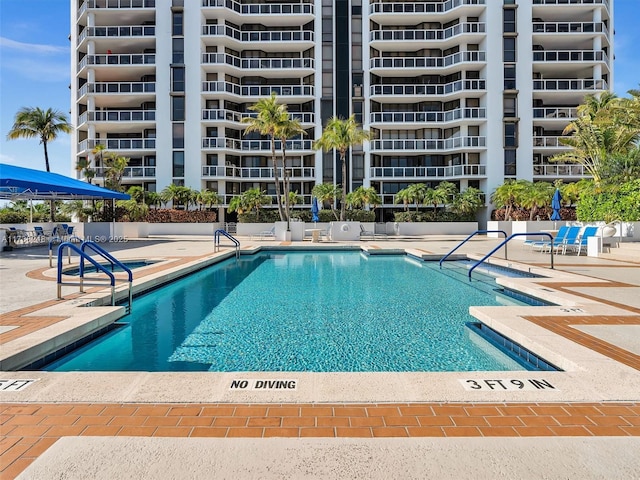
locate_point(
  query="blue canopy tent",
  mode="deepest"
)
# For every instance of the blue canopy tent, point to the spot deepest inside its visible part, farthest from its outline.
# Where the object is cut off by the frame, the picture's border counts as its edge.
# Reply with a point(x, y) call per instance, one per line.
point(556, 204)
point(18, 183)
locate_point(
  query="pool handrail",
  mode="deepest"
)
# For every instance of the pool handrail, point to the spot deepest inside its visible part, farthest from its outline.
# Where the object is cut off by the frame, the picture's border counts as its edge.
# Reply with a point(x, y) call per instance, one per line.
point(216, 240)
point(76, 249)
point(113, 260)
point(477, 232)
point(504, 243)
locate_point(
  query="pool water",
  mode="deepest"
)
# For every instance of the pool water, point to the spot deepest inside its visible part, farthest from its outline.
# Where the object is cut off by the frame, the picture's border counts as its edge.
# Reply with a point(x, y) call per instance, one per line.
point(303, 311)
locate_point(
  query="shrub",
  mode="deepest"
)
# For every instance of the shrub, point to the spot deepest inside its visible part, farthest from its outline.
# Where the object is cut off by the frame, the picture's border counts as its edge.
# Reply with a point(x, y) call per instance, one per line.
point(7, 216)
point(611, 202)
point(266, 216)
point(181, 216)
point(357, 215)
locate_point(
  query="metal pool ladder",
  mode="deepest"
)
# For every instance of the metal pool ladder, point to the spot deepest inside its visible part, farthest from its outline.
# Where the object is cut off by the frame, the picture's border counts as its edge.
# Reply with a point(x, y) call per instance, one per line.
point(216, 240)
point(477, 232)
point(84, 256)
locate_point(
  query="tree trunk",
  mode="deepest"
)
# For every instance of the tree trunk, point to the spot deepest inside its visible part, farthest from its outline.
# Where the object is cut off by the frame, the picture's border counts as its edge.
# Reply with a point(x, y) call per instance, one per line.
point(343, 206)
point(287, 207)
point(46, 155)
point(276, 178)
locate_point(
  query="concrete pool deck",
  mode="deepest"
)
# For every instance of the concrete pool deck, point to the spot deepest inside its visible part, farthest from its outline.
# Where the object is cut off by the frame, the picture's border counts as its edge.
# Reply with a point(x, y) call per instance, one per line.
point(593, 336)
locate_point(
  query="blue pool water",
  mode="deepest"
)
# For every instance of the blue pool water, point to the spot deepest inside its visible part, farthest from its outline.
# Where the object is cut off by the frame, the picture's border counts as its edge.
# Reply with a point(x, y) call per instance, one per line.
point(303, 311)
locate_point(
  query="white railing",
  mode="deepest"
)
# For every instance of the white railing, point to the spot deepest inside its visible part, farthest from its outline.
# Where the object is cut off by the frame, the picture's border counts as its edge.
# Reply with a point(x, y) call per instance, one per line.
point(548, 141)
point(571, 2)
point(569, 84)
point(121, 3)
point(442, 34)
point(256, 63)
point(565, 170)
point(428, 62)
point(303, 7)
point(123, 116)
point(569, 27)
point(121, 88)
point(428, 144)
point(119, 144)
point(454, 171)
point(131, 172)
point(305, 203)
point(569, 56)
point(420, 7)
point(420, 90)
point(555, 112)
point(216, 114)
point(254, 145)
point(421, 117)
point(257, 90)
point(269, 36)
point(255, 172)
point(124, 31)
point(115, 59)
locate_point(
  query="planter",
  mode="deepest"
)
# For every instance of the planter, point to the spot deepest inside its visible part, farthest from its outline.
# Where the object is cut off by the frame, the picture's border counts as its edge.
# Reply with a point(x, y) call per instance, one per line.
point(430, 228)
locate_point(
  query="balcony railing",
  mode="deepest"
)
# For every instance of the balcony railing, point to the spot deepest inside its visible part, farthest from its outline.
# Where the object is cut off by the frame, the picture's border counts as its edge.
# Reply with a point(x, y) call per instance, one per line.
point(569, 56)
point(258, 90)
point(555, 112)
point(569, 84)
point(303, 7)
point(256, 63)
point(420, 7)
point(255, 172)
point(123, 59)
point(132, 31)
point(428, 62)
point(119, 144)
point(229, 115)
point(117, 88)
point(305, 203)
point(560, 170)
point(121, 3)
point(257, 36)
point(254, 145)
point(548, 142)
point(131, 172)
point(569, 27)
point(419, 90)
point(122, 116)
point(421, 172)
point(443, 34)
point(571, 2)
point(421, 117)
point(428, 144)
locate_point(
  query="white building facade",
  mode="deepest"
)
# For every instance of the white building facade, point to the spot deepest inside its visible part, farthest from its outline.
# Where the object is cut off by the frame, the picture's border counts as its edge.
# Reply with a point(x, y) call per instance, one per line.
point(468, 91)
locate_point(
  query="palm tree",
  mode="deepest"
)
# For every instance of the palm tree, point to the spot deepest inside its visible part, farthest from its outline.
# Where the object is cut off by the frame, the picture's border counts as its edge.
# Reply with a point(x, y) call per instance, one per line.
point(252, 199)
point(208, 198)
point(362, 197)
point(83, 165)
point(115, 166)
point(290, 128)
point(98, 153)
point(340, 134)
point(45, 125)
point(152, 199)
point(508, 195)
point(435, 197)
point(405, 197)
point(171, 193)
point(417, 193)
point(468, 202)
point(327, 193)
point(269, 119)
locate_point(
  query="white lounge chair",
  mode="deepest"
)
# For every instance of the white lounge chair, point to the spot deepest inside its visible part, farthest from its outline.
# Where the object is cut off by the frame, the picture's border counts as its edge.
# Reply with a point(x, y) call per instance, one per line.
point(265, 234)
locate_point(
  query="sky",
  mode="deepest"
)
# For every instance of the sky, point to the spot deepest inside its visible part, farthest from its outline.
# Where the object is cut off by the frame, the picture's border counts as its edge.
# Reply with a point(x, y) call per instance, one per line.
point(35, 71)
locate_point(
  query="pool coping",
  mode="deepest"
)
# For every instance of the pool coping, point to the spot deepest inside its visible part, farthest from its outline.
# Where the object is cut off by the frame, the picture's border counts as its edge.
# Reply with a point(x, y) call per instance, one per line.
point(588, 374)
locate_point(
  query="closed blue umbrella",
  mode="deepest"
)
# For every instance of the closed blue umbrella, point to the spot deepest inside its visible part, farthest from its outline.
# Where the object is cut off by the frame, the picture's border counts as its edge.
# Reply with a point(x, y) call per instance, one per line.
point(556, 204)
point(314, 210)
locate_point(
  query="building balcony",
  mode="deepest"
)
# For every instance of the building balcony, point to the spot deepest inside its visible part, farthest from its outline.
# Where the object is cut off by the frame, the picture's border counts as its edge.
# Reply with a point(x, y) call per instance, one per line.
point(573, 28)
point(571, 84)
point(118, 4)
point(231, 171)
point(589, 3)
point(449, 172)
point(409, 38)
point(397, 65)
point(112, 144)
point(417, 11)
point(552, 113)
point(305, 203)
point(261, 146)
point(223, 115)
point(548, 142)
point(259, 64)
point(131, 172)
point(424, 145)
point(423, 117)
point(121, 60)
point(117, 88)
point(410, 93)
point(270, 40)
point(299, 92)
point(124, 32)
point(569, 56)
point(133, 116)
point(560, 170)
point(293, 13)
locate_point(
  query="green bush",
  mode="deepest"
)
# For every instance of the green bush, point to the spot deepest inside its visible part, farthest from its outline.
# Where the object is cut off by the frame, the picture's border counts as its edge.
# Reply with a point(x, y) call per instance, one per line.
point(266, 216)
point(7, 216)
point(179, 216)
point(428, 216)
point(360, 216)
point(611, 202)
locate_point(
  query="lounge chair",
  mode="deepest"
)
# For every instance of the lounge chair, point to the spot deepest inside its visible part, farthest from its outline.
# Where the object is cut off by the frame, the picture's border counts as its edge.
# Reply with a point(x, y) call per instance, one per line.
point(542, 245)
point(265, 234)
point(39, 235)
point(371, 234)
point(578, 244)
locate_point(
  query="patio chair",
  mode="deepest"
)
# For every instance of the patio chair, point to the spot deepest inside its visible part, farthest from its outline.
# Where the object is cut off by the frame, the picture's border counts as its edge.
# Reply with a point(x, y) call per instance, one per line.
point(39, 235)
point(544, 244)
point(570, 239)
point(17, 235)
point(366, 233)
point(265, 234)
point(582, 241)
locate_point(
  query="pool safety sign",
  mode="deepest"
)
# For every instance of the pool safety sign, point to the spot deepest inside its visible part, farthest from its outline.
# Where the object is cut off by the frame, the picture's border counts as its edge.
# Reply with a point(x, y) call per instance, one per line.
point(505, 384)
point(263, 384)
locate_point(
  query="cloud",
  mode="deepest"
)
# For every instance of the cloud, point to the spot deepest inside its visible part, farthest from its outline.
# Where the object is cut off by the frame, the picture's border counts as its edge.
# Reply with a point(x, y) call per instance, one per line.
point(39, 70)
point(33, 48)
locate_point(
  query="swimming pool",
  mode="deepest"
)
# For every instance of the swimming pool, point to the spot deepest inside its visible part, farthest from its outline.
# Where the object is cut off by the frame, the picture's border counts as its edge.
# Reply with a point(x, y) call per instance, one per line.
point(302, 311)
point(89, 268)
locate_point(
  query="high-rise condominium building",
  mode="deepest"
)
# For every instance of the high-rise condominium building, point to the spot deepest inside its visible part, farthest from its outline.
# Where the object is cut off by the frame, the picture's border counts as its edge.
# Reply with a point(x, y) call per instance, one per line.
point(468, 91)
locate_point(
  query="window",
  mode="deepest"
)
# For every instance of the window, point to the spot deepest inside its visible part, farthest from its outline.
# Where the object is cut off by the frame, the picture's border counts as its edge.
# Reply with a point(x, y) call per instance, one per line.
point(178, 50)
point(509, 49)
point(510, 77)
point(510, 135)
point(510, 162)
point(178, 164)
point(177, 108)
point(509, 20)
point(178, 135)
point(177, 23)
point(177, 80)
point(510, 107)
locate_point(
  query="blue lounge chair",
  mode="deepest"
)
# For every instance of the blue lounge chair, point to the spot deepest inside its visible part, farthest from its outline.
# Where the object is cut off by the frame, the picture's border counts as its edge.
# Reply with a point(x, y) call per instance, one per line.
point(578, 244)
point(544, 244)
